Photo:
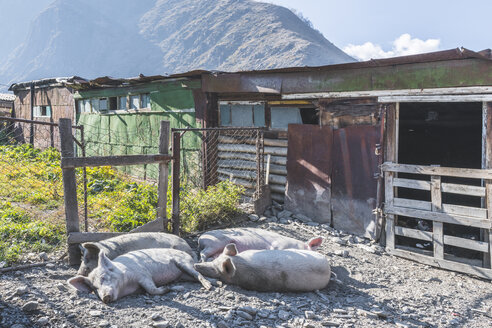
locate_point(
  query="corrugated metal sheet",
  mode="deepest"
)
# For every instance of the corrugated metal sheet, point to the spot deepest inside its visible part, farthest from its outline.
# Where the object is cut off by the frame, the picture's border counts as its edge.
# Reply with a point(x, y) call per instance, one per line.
point(309, 168)
point(354, 187)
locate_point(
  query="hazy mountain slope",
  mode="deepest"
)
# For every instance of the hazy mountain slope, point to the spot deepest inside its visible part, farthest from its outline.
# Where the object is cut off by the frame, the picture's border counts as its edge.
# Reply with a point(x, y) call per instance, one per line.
point(123, 38)
point(233, 35)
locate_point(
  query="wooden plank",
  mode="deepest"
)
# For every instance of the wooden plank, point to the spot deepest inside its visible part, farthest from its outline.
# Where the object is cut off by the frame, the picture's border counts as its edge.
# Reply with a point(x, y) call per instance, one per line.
point(176, 146)
point(73, 162)
point(163, 176)
point(412, 203)
point(413, 233)
point(411, 184)
point(488, 233)
point(245, 183)
point(444, 264)
point(475, 245)
point(437, 227)
point(252, 141)
point(156, 225)
point(441, 217)
point(461, 189)
point(465, 210)
point(69, 188)
point(251, 166)
point(390, 231)
point(439, 98)
point(434, 170)
point(85, 237)
point(277, 151)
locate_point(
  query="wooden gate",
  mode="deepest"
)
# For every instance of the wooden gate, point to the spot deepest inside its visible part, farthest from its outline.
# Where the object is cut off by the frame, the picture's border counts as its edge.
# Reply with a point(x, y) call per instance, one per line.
point(439, 214)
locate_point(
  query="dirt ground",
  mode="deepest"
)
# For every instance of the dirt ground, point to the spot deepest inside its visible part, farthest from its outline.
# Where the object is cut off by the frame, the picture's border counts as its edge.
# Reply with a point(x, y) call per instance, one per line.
point(373, 290)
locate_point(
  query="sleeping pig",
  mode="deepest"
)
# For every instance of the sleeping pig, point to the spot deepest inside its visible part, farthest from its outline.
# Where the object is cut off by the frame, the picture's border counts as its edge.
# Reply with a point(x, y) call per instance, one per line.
point(120, 245)
point(213, 242)
point(290, 270)
point(146, 268)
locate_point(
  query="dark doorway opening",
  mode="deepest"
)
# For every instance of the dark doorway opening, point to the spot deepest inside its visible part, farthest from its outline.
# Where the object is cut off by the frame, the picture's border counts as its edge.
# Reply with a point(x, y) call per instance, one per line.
point(447, 135)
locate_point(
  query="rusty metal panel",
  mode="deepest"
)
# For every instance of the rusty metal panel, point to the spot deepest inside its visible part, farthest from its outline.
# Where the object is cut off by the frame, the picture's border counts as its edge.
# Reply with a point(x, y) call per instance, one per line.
point(354, 188)
point(308, 171)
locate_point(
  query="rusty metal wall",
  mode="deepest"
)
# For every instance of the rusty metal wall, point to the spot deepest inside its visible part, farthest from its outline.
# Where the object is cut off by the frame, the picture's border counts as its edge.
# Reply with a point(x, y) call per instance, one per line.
point(309, 166)
point(354, 187)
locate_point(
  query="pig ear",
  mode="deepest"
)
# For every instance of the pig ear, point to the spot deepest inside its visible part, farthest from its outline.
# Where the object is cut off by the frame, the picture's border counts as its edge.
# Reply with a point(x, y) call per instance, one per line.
point(228, 267)
point(92, 248)
point(80, 283)
point(230, 250)
point(104, 262)
point(314, 243)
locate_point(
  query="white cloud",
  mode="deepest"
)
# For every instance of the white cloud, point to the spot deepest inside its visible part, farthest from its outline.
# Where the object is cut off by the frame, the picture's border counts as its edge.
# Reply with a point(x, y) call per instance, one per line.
point(402, 46)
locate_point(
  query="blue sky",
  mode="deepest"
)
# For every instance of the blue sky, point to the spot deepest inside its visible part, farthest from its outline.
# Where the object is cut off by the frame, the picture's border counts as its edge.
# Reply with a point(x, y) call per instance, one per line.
point(382, 28)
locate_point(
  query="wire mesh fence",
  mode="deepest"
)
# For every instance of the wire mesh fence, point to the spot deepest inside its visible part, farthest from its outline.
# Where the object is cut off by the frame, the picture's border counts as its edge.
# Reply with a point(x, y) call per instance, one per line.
point(32, 218)
point(220, 171)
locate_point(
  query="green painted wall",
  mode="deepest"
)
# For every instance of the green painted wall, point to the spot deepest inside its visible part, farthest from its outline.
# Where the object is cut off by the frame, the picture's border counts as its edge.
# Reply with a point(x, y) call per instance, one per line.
point(129, 132)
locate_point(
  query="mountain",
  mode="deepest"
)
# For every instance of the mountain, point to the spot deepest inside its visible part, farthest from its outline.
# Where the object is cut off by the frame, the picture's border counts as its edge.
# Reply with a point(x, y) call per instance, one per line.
point(122, 38)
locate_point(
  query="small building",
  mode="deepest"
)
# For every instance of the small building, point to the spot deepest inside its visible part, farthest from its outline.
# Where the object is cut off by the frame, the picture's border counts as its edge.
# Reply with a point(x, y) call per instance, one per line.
point(6, 104)
point(45, 100)
point(402, 144)
point(121, 116)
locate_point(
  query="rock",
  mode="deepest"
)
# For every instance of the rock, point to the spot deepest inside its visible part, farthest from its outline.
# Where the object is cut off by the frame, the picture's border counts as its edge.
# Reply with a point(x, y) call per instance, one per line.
point(283, 315)
point(263, 313)
point(50, 265)
point(222, 324)
point(272, 219)
point(380, 313)
point(30, 306)
point(61, 287)
point(401, 324)
point(43, 321)
point(3, 264)
point(302, 217)
point(339, 241)
point(253, 217)
point(368, 314)
point(21, 290)
point(95, 313)
point(244, 315)
point(342, 253)
point(268, 213)
point(284, 214)
point(17, 325)
point(229, 315)
point(156, 317)
point(103, 323)
point(43, 256)
point(283, 221)
point(340, 311)
point(330, 324)
point(248, 309)
point(312, 224)
point(160, 324)
point(309, 314)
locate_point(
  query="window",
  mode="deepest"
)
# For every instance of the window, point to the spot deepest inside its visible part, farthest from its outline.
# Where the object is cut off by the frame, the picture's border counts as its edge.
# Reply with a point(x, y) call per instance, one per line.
point(242, 115)
point(135, 102)
point(145, 100)
point(122, 102)
point(283, 116)
point(113, 103)
point(95, 104)
point(42, 111)
point(103, 104)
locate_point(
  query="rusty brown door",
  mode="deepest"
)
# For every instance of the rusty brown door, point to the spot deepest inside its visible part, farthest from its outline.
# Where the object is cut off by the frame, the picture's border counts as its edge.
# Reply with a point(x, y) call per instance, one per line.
point(354, 187)
point(309, 170)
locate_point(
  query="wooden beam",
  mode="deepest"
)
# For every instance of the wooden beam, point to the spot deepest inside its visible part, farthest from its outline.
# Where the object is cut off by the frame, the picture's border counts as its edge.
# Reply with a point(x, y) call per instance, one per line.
point(73, 162)
point(412, 203)
point(163, 176)
point(475, 245)
point(444, 264)
point(441, 217)
point(69, 188)
point(413, 233)
point(437, 226)
point(411, 184)
point(442, 171)
point(85, 237)
point(461, 189)
point(438, 98)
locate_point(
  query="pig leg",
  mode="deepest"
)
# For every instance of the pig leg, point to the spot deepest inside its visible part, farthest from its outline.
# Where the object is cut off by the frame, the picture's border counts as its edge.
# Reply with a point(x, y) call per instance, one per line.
point(151, 288)
point(190, 270)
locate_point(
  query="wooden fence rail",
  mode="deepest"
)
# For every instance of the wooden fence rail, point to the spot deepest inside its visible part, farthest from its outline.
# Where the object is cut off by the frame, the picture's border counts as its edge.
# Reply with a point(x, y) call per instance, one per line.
point(439, 213)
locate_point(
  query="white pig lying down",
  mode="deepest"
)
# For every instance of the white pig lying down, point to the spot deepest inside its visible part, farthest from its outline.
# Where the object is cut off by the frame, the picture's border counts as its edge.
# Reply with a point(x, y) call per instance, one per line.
point(212, 243)
point(120, 245)
point(290, 270)
point(146, 268)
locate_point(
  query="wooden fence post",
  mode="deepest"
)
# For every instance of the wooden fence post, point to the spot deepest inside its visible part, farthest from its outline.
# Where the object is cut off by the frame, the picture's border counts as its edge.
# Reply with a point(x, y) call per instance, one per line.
point(69, 189)
point(175, 185)
point(163, 174)
point(437, 227)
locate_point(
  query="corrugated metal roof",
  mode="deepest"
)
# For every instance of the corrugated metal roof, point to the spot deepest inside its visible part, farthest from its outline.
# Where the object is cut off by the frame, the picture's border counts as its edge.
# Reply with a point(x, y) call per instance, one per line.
point(7, 97)
point(48, 82)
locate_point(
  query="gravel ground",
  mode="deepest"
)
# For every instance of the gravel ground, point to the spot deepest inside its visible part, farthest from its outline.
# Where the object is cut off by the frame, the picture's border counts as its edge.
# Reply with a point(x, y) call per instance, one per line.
point(372, 289)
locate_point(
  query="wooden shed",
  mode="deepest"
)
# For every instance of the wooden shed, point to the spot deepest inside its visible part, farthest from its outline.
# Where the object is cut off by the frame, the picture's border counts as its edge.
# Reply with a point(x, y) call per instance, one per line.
point(426, 117)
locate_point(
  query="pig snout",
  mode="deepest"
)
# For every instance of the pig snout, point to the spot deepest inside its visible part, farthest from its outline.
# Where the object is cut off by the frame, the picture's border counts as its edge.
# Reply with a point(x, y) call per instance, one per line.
point(106, 295)
point(207, 269)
